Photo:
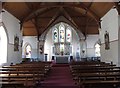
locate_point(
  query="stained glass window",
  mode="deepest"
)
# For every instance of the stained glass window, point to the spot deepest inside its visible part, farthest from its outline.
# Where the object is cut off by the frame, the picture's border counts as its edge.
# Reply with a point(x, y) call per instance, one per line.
point(68, 35)
point(61, 33)
point(55, 35)
point(62, 37)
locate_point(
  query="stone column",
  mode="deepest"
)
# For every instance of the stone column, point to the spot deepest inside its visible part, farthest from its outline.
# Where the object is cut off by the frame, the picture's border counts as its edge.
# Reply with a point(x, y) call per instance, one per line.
point(41, 49)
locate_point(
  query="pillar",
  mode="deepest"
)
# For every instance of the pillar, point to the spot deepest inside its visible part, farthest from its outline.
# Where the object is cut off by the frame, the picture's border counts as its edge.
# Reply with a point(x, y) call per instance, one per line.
point(118, 9)
point(83, 46)
point(41, 49)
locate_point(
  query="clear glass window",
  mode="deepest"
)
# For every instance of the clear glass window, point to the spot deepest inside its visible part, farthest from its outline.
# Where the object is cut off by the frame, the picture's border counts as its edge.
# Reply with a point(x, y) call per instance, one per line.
point(3, 43)
point(28, 51)
point(97, 50)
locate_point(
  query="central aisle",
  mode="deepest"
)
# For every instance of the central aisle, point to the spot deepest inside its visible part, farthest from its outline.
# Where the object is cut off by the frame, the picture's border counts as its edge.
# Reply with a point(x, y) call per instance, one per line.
point(59, 77)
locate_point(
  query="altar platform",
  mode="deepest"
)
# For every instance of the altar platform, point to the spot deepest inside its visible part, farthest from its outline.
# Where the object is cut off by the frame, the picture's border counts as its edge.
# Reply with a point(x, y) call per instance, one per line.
point(59, 59)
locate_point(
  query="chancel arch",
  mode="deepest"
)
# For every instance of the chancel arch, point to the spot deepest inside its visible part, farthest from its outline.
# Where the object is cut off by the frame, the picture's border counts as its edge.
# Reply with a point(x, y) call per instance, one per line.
point(64, 41)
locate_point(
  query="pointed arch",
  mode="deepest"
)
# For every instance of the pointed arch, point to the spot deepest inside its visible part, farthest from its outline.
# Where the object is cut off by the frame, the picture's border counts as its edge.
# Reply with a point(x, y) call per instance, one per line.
point(27, 50)
point(3, 43)
point(68, 34)
point(97, 50)
point(61, 32)
point(55, 34)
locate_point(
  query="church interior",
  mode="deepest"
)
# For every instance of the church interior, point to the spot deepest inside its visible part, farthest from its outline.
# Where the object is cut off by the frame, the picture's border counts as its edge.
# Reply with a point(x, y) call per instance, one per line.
point(60, 44)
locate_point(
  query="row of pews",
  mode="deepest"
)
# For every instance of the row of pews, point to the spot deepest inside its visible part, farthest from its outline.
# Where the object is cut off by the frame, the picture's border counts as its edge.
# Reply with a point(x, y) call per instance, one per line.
point(24, 75)
point(95, 74)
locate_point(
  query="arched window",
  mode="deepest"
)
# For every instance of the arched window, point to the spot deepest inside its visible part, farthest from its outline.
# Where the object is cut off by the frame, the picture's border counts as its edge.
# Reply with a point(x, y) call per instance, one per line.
point(55, 35)
point(61, 33)
point(28, 51)
point(68, 34)
point(62, 37)
point(3, 43)
point(97, 50)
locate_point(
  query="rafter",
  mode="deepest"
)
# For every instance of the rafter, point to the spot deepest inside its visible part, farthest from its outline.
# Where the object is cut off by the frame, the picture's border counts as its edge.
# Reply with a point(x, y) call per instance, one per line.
point(88, 7)
point(36, 26)
point(72, 21)
point(85, 34)
point(33, 5)
point(49, 17)
point(97, 18)
point(52, 20)
point(35, 13)
point(117, 4)
point(69, 18)
point(76, 11)
point(79, 13)
point(81, 5)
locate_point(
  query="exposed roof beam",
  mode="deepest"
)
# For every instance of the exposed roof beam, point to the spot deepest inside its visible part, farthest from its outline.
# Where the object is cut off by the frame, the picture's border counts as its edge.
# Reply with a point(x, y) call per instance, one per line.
point(97, 21)
point(33, 5)
point(36, 26)
point(86, 27)
point(69, 17)
point(81, 5)
point(35, 13)
point(89, 7)
point(48, 17)
point(85, 31)
point(78, 12)
point(97, 18)
point(59, 5)
point(117, 4)
point(51, 21)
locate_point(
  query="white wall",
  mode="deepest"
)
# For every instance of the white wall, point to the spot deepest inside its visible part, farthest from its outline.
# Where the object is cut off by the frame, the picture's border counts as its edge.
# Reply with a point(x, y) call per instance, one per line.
point(110, 24)
point(110, 55)
point(32, 40)
point(12, 28)
point(119, 40)
point(91, 40)
point(48, 45)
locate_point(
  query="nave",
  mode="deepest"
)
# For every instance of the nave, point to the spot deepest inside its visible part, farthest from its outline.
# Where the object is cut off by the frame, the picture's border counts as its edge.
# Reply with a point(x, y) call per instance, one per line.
point(36, 39)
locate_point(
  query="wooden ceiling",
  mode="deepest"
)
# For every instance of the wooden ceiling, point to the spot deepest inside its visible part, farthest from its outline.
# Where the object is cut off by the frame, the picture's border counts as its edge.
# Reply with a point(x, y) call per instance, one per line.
point(36, 17)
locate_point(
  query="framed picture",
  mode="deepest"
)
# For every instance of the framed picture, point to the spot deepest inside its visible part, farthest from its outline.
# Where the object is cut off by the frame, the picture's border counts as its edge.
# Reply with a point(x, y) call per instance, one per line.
point(16, 43)
point(107, 43)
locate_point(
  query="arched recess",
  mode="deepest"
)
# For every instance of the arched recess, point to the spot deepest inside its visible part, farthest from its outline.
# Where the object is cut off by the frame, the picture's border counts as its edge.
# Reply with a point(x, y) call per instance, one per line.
point(27, 49)
point(51, 45)
point(3, 44)
point(97, 50)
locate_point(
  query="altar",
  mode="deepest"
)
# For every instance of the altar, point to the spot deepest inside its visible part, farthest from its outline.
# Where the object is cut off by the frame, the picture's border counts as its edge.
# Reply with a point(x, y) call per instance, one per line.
point(62, 59)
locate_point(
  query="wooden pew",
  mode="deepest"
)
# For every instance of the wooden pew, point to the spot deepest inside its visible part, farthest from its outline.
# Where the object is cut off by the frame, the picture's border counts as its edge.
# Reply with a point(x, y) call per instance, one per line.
point(93, 75)
point(26, 74)
point(12, 85)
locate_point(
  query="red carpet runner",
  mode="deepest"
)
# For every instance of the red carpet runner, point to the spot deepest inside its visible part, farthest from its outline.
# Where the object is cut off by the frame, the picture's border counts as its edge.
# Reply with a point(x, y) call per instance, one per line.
point(59, 77)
